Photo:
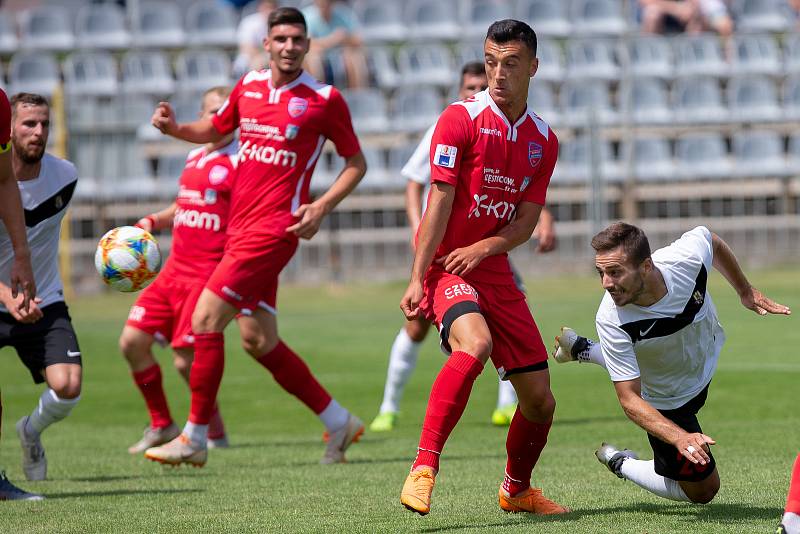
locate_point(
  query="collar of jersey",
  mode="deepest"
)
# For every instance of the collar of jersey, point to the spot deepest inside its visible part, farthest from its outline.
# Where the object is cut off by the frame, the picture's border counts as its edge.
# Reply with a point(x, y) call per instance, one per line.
point(512, 130)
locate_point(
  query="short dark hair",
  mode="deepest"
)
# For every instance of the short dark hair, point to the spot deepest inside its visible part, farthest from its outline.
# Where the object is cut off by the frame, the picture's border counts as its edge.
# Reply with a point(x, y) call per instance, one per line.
point(31, 99)
point(503, 31)
point(632, 239)
point(473, 68)
point(286, 15)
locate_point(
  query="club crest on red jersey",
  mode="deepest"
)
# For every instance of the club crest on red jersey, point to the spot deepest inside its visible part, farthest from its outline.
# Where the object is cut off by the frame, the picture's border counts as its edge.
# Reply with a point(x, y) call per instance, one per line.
point(534, 153)
point(217, 174)
point(297, 106)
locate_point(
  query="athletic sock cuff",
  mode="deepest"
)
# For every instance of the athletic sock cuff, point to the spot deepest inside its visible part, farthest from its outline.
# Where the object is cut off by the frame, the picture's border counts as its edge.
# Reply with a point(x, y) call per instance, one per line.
point(151, 374)
point(279, 349)
point(209, 337)
point(465, 364)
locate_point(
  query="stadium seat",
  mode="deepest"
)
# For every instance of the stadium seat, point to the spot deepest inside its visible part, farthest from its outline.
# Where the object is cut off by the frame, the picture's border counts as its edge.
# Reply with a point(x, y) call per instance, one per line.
point(759, 153)
point(753, 99)
point(381, 22)
point(381, 64)
point(652, 159)
point(702, 156)
point(169, 167)
point(597, 17)
point(324, 173)
point(210, 24)
point(368, 110)
point(46, 28)
point(762, 15)
point(649, 101)
point(33, 72)
point(90, 74)
point(792, 53)
point(377, 177)
point(793, 155)
point(480, 14)
point(134, 111)
point(433, 21)
point(580, 101)
point(791, 97)
point(466, 51)
point(8, 35)
point(101, 26)
point(542, 100)
point(398, 157)
point(591, 59)
point(698, 100)
point(575, 162)
point(415, 108)
point(186, 105)
point(197, 70)
point(651, 56)
point(757, 54)
point(700, 55)
point(159, 26)
point(551, 61)
point(548, 17)
point(147, 73)
point(426, 64)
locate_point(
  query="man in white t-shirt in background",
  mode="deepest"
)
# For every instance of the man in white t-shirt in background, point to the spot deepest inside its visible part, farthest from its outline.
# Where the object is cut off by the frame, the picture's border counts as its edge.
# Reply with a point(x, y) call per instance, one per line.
point(660, 340)
point(250, 35)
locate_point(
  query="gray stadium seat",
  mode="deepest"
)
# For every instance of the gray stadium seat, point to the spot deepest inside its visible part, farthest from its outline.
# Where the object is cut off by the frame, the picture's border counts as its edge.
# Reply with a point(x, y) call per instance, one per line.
point(377, 177)
point(581, 100)
point(652, 159)
point(698, 100)
point(186, 105)
point(551, 61)
point(597, 17)
point(542, 100)
point(650, 101)
point(702, 156)
point(548, 17)
point(33, 72)
point(159, 25)
point(368, 110)
point(101, 26)
point(433, 21)
point(575, 165)
point(210, 24)
point(169, 167)
point(197, 70)
point(398, 157)
point(8, 35)
point(759, 154)
point(757, 54)
point(792, 53)
point(46, 28)
point(467, 51)
point(651, 56)
point(793, 155)
point(135, 110)
point(753, 99)
point(428, 64)
point(591, 59)
point(415, 108)
point(480, 14)
point(700, 55)
point(147, 72)
point(90, 74)
point(381, 22)
point(791, 97)
point(380, 61)
point(762, 15)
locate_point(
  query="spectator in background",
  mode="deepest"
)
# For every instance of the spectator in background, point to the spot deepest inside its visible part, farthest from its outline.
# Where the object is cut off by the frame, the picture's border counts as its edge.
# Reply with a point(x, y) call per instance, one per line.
point(690, 16)
point(250, 35)
point(333, 25)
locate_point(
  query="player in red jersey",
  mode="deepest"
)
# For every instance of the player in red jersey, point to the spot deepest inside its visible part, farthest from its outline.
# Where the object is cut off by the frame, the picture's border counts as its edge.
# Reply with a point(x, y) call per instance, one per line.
point(163, 311)
point(284, 117)
point(491, 163)
point(790, 524)
point(21, 271)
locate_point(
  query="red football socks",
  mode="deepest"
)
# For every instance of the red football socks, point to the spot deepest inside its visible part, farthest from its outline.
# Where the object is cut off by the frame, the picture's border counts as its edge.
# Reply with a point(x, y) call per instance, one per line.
point(293, 375)
point(149, 383)
point(206, 375)
point(216, 428)
point(793, 500)
point(449, 396)
point(524, 444)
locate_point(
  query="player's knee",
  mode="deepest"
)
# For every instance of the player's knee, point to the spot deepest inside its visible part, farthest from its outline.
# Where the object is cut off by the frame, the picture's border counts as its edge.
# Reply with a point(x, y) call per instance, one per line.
point(182, 364)
point(479, 346)
point(67, 388)
point(131, 348)
point(417, 330)
point(257, 344)
point(539, 408)
point(705, 496)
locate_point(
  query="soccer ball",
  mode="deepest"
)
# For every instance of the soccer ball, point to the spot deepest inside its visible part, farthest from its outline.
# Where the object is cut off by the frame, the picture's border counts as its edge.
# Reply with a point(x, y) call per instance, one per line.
point(127, 258)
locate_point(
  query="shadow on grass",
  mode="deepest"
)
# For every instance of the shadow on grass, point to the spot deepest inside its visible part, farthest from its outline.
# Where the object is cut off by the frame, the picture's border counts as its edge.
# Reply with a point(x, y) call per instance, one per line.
point(171, 471)
point(513, 520)
point(114, 493)
point(405, 459)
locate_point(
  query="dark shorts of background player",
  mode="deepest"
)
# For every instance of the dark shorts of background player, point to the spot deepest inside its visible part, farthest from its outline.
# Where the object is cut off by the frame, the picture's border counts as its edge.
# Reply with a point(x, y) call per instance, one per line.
point(48, 341)
point(669, 462)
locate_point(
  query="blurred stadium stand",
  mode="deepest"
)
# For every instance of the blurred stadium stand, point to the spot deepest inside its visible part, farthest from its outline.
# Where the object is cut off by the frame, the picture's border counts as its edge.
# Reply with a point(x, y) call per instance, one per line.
point(667, 130)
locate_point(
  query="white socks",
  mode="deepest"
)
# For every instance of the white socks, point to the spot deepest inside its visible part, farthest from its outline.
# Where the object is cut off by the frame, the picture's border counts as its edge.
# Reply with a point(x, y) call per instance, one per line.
point(198, 434)
point(643, 474)
point(791, 522)
point(334, 417)
point(402, 361)
point(506, 394)
point(51, 409)
point(592, 354)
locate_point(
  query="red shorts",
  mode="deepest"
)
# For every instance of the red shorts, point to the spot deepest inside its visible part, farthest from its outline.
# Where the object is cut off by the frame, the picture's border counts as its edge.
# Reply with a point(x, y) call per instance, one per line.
point(247, 276)
point(516, 341)
point(164, 310)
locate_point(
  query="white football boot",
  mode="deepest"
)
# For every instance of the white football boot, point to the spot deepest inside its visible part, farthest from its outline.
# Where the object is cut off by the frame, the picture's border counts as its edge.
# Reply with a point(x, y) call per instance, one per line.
point(34, 462)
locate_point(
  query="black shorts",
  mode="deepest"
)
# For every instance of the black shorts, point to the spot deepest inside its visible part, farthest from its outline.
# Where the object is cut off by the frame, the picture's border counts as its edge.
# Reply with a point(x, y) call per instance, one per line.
point(48, 341)
point(669, 462)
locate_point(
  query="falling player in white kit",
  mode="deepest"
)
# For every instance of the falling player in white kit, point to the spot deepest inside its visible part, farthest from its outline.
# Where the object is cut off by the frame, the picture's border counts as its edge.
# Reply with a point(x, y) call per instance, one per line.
point(660, 340)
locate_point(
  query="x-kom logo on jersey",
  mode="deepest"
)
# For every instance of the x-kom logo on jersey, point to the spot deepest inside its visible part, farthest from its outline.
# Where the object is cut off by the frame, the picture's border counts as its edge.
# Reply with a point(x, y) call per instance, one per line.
point(500, 209)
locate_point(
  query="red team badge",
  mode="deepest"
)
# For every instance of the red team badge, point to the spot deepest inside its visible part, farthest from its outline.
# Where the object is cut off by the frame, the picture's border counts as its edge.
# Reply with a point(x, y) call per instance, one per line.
point(534, 153)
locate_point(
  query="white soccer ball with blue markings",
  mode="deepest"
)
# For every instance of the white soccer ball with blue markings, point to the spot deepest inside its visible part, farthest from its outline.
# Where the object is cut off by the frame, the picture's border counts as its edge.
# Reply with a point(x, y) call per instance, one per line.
point(127, 258)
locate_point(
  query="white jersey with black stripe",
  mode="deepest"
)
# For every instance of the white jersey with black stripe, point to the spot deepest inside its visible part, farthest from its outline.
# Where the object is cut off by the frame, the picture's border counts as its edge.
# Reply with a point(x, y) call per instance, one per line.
point(44, 200)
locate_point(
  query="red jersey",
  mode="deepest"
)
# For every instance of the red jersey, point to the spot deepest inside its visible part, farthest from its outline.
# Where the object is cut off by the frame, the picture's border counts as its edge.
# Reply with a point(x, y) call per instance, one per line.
point(5, 122)
point(201, 220)
point(281, 134)
point(494, 166)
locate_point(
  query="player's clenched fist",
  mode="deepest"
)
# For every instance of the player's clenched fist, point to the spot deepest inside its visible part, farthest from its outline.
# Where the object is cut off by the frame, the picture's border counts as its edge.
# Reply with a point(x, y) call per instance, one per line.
point(411, 299)
point(164, 118)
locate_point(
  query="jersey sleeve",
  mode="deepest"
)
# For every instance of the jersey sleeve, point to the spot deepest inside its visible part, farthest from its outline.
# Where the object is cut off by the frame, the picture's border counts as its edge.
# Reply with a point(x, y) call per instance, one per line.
point(339, 126)
point(227, 118)
point(451, 137)
point(5, 122)
point(617, 349)
point(537, 192)
point(418, 167)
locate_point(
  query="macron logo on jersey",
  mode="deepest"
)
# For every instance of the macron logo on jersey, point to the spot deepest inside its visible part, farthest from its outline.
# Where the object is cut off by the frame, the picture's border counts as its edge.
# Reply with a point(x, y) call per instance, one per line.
point(445, 156)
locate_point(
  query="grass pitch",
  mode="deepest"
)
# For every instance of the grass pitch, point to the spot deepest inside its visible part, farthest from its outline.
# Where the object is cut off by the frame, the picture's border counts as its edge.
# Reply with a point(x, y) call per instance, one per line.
point(270, 480)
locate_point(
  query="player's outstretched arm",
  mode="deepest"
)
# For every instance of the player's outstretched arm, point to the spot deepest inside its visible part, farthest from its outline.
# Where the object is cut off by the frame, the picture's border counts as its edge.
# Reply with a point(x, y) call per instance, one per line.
point(198, 132)
point(12, 216)
point(694, 446)
point(752, 299)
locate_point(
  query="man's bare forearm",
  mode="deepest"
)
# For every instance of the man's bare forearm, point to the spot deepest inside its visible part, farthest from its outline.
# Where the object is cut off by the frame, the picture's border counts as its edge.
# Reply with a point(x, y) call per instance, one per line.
point(725, 262)
point(354, 170)
point(432, 228)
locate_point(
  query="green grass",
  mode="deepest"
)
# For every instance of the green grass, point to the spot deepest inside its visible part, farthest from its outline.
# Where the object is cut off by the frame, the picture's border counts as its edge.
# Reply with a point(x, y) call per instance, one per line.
point(270, 480)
